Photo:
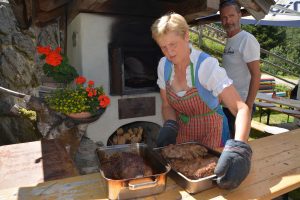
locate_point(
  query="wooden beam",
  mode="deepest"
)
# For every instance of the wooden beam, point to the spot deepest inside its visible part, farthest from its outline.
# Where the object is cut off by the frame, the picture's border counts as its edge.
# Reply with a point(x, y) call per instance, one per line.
point(51, 5)
point(21, 13)
point(43, 18)
point(190, 9)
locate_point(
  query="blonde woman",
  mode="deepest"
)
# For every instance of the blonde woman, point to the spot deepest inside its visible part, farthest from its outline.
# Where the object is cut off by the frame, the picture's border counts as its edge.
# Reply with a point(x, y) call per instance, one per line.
point(192, 85)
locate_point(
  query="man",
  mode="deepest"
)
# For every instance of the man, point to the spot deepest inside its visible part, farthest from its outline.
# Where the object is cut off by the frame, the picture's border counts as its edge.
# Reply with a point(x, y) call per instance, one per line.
point(241, 57)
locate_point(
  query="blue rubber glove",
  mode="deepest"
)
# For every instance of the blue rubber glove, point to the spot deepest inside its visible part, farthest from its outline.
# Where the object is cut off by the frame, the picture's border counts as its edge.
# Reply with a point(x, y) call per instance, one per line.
point(234, 164)
point(167, 134)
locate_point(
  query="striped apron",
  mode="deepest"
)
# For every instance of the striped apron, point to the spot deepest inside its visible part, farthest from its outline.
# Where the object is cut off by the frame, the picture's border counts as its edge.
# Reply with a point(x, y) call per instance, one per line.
point(197, 122)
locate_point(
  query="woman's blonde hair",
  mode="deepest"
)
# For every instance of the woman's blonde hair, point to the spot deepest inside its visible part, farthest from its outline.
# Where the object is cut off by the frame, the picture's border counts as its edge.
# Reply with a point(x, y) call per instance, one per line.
point(171, 22)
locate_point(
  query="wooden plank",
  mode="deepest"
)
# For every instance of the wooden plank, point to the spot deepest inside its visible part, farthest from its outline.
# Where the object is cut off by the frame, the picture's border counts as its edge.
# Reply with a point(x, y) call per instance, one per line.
point(258, 126)
point(275, 170)
point(294, 113)
point(34, 162)
point(91, 186)
point(51, 5)
point(267, 129)
point(41, 18)
point(280, 100)
point(264, 104)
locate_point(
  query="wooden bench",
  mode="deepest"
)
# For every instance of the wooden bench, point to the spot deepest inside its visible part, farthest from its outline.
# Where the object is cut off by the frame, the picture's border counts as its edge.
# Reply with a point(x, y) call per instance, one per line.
point(289, 112)
point(267, 129)
point(265, 107)
point(267, 85)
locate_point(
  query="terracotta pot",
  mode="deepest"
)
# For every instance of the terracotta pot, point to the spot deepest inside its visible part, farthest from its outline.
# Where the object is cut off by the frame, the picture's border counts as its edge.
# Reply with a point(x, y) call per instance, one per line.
point(81, 115)
point(85, 117)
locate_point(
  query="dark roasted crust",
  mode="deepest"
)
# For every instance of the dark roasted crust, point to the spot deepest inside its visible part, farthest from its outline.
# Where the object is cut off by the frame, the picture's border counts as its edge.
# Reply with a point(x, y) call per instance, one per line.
point(193, 165)
point(125, 165)
point(184, 151)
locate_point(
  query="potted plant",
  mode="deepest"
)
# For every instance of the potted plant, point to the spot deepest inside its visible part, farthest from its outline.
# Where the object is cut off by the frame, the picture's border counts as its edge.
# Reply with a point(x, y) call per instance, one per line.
point(78, 99)
point(81, 100)
point(56, 65)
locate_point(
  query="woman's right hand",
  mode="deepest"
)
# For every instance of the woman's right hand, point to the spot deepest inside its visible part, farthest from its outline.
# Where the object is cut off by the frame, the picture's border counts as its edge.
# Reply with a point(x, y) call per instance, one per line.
point(167, 134)
point(234, 164)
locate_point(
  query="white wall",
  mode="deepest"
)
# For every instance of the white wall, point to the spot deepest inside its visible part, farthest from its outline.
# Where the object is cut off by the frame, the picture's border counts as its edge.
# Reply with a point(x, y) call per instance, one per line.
point(90, 57)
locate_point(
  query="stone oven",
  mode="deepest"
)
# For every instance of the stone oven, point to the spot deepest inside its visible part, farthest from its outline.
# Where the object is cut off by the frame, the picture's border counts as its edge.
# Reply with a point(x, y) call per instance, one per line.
point(110, 42)
point(117, 51)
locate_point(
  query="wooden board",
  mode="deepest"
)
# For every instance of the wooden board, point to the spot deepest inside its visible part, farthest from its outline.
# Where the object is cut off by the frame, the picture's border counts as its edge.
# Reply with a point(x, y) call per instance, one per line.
point(30, 163)
point(279, 100)
point(275, 170)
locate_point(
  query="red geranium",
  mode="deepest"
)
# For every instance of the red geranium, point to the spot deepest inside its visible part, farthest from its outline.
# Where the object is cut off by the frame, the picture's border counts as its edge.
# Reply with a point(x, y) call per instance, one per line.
point(44, 50)
point(104, 101)
point(54, 59)
point(56, 65)
point(80, 80)
point(79, 98)
point(91, 83)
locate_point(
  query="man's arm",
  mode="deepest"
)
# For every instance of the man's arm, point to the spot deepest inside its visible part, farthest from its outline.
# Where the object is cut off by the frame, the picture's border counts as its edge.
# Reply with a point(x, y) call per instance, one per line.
point(232, 100)
point(254, 70)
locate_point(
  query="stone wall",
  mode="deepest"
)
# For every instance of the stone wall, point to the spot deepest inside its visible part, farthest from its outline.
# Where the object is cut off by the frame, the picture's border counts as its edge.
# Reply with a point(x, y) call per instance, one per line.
point(20, 70)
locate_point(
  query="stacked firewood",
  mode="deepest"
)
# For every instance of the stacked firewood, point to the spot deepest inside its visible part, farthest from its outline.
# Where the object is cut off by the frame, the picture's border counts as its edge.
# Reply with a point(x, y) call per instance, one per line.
point(132, 135)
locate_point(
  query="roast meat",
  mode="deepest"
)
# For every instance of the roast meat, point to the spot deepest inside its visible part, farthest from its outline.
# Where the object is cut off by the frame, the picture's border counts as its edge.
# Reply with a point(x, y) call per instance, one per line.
point(125, 165)
point(184, 151)
point(190, 159)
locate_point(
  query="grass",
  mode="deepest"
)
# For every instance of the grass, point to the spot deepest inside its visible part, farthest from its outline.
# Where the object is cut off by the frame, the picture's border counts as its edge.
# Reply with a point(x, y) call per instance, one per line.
point(291, 77)
point(275, 119)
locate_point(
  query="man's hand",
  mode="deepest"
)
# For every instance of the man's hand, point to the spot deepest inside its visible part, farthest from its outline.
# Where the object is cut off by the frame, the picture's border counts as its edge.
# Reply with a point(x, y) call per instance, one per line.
point(167, 134)
point(234, 164)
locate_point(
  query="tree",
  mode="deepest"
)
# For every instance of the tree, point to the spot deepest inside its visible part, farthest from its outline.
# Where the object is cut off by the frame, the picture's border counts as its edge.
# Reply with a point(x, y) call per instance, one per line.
point(268, 36)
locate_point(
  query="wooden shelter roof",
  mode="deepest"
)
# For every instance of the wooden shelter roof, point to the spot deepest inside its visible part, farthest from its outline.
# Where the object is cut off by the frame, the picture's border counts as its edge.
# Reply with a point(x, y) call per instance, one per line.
point(42, 12)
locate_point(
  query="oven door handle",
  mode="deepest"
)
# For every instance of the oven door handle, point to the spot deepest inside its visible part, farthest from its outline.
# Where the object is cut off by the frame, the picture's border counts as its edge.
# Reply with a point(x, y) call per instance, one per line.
point(142, 183)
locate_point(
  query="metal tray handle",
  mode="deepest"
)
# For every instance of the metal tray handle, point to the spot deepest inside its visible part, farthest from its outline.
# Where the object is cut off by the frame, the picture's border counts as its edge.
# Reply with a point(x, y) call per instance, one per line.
point(142, 183)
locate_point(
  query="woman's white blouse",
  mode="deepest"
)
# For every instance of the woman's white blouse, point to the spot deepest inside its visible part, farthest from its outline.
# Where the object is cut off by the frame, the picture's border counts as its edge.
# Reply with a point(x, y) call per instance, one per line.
point(211, 75)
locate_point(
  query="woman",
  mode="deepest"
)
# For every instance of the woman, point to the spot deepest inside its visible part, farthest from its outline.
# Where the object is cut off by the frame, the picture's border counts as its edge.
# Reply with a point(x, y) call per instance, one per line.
point(191, 86)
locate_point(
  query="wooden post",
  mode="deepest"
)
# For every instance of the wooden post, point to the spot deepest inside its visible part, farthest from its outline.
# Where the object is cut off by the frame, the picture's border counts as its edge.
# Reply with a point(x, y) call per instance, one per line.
point(200, 34)
point(297, 120)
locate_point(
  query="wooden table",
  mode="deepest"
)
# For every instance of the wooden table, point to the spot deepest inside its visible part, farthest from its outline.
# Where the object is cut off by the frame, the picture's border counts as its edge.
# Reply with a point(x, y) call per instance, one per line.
point(279, 100)
point(275, 171)
point(30, 163)
point(267, 103)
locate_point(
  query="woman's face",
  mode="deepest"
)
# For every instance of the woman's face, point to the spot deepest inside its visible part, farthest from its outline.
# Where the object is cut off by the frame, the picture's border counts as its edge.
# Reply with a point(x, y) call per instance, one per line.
point(174, 47)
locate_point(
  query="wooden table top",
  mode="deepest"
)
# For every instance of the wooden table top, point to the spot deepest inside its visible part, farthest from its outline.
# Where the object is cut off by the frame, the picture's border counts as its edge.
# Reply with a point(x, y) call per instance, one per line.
point(275, 171)
point(30, 163)
point(279, 100)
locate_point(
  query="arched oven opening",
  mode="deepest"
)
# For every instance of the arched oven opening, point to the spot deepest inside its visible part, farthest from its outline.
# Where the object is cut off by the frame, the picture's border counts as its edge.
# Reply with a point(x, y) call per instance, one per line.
point(135, 132)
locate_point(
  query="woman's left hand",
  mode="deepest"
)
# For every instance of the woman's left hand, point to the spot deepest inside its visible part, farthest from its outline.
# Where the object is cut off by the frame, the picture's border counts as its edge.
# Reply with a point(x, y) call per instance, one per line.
point(234, 164)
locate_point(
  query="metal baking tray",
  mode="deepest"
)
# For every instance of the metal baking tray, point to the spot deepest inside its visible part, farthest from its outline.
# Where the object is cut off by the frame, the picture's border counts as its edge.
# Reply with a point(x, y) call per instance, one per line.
point(135, 187)
point(190, 185)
